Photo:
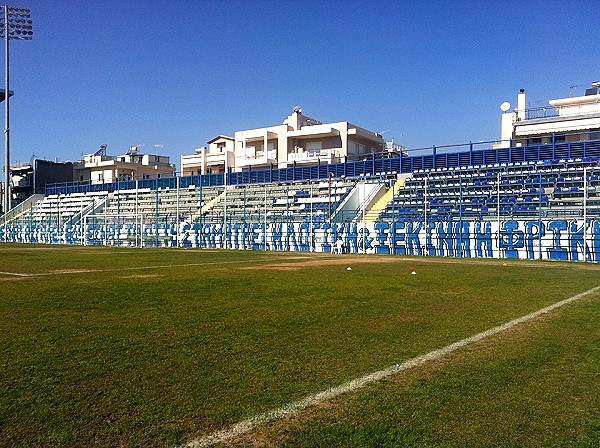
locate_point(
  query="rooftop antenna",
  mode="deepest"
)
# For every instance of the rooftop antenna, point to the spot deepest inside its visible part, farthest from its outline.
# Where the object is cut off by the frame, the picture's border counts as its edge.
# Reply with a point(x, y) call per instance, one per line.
point(573, 87)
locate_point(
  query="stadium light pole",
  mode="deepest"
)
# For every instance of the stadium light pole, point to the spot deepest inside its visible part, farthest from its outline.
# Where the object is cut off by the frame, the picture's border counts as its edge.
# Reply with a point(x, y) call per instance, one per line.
point(15, 23)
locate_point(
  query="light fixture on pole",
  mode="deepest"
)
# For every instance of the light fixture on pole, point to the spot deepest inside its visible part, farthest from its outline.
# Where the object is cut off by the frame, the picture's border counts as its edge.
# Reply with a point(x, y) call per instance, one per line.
point(15, 23)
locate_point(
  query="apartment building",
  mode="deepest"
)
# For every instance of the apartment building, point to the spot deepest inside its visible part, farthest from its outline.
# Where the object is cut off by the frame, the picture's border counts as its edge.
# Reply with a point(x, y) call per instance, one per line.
point(562, 120)
point(299, 140)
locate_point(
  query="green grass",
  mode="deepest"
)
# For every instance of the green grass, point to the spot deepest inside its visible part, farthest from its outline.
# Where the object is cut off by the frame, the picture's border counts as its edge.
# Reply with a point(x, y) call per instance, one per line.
point(129, 347)
point(534, 387)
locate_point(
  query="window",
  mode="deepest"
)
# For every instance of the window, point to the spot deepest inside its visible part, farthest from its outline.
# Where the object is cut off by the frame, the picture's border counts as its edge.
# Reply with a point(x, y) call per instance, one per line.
point(271, 151)
point(314, 149)
point(595, 135)
point(352, 148)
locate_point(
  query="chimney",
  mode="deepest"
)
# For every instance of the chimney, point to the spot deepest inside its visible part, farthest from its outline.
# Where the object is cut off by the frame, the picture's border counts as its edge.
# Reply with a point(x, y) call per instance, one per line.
point(521, 105)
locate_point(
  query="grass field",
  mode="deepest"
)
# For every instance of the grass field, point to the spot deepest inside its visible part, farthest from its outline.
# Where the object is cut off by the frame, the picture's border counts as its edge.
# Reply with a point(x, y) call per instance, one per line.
point(158, 347)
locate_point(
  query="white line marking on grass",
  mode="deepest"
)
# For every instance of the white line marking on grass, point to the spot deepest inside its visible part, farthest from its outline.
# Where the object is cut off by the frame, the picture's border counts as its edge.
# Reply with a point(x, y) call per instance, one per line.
point(16, 274)
point(312, 400)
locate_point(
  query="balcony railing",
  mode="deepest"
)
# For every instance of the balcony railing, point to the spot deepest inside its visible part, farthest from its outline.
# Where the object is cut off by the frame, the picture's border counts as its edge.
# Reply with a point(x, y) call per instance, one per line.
point(257, 159)
point(323, 154)
point(541, 112)
point(587, 108)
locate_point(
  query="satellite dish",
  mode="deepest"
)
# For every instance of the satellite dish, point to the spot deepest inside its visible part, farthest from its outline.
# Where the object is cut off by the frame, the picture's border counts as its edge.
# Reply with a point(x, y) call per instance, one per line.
point(505, 106)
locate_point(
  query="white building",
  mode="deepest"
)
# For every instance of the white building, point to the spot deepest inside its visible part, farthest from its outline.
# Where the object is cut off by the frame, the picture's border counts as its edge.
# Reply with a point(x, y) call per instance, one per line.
point(299, 140)
point(303, 140)
point(210, 159)
point(100, 168)
point(566, 119)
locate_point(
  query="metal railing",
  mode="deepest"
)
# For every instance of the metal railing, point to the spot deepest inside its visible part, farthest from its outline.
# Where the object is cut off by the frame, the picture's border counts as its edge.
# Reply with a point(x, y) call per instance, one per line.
point(432, 158)
point(541, 112)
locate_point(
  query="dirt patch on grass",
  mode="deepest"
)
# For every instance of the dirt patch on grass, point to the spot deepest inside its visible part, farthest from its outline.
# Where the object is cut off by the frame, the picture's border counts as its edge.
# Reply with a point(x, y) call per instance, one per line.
point(317, 261)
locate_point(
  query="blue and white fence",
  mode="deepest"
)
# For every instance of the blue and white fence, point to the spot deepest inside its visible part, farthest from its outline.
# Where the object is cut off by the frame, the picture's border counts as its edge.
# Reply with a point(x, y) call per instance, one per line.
point(555, 239)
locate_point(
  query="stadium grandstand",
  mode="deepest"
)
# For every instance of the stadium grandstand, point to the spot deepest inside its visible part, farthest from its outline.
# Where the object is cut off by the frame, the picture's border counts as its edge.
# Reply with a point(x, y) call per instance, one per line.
point(533, 195)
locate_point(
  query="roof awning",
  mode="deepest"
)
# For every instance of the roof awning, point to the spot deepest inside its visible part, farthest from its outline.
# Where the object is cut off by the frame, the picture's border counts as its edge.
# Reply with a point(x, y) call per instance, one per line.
point(367, 135)
point(257, 135)
point(317, 131)
point(523, 128)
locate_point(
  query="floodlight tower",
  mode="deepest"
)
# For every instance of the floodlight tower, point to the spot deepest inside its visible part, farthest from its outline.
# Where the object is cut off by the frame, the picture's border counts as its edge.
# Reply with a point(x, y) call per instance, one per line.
point(15, 23)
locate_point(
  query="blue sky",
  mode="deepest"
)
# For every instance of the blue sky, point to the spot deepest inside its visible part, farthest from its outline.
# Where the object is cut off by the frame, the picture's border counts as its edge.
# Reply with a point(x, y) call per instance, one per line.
point(177, 73)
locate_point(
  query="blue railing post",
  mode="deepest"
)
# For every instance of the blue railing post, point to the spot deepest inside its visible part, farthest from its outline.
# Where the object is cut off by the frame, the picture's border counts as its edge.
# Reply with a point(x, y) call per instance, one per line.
point(373, 157)
point(470, 153)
